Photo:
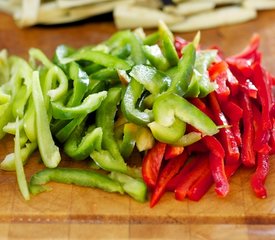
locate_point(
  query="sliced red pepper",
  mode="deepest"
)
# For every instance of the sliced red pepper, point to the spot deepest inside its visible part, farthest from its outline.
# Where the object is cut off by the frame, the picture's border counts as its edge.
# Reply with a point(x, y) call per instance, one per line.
point(227, 137)
point(201, 186)
point(151, 164)
point(247, 152)
point(232, 110)
point(218, 73)
point(172, 151)
point(264, 93)
point(169, 171)
point(259, 177)
point(214, 146)
point(192, 176)
point(249, 88)
point(197, 147)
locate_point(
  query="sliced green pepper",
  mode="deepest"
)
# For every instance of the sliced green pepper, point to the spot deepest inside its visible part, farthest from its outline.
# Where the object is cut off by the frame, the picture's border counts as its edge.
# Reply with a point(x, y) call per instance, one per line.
point(105, 116)
point(128, 105)
point(80, 84)
point(79, 147)
point(168, 106)
point(167, 44)
point(49, 151)
point(80, 177)
point(136, 188)
point(169, 134)
point(155, 56)
point(98, 57)
point(153, 80)
point(184, 71)
point(89, 104)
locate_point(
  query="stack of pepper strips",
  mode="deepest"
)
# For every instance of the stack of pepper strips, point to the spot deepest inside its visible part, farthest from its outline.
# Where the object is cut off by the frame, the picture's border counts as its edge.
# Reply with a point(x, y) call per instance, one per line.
point(193, 116)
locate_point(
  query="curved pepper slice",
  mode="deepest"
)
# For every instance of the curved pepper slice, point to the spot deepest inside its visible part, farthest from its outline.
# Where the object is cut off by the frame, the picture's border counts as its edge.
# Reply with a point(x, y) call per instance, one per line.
point(80, 177)
point(153, 80)
point(105, 116)
point(129, 101)
point(89, 104)
point(78, 147)
point(49, 151)
point(184, 70)
point(168, 106)
point(169, 134)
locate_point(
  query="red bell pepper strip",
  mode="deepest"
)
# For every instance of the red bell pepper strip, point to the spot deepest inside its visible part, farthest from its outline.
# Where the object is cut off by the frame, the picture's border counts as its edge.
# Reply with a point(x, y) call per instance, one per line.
point(172, 151)
point(218, 73)
point(216, 159)
point(181, 176)
point(232, 110)
point(227, 137)
point(219, 176)
point(201, 186)
point(260, 80)
point(151, 164)
point(247, 151)
point(259, 176)
point(168, 172)
point(192, 176)
point(249, 88)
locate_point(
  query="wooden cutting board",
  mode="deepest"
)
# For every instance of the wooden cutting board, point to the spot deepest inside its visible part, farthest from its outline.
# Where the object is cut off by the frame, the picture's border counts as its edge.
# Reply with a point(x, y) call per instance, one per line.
point(71, 209)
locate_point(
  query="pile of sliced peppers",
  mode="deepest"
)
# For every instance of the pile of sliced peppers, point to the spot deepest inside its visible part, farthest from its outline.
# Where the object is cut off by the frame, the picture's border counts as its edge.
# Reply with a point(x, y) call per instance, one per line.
point(189, 116)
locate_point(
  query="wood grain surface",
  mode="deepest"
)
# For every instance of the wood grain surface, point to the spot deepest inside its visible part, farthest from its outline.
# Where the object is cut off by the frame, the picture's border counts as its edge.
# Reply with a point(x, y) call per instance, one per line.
point(71, 212)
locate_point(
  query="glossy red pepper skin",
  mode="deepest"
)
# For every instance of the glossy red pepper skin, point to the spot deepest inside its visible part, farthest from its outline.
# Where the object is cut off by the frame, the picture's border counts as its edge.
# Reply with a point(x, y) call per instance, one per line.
point(151, 164)
point(259, 177)
point(172, 151)
point(168, 172)
point(247, 151)
point(202, 164)
point(225, 134)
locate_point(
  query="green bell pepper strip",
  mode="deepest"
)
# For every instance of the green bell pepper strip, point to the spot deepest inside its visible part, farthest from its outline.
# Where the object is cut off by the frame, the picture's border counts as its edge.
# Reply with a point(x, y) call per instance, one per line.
point(21, 178)
point(19, 102)
point(4, 97)
point(169, 134)
point(65, 131)
point(168, 106)
point(127, 144)
point(127, 37)
point(98, 57)
point(129, 101)
point(167, 44)
point(37, 54)
point(151, 39)
point(105, 160)
point(89, 104)
point(184, 70)
point(153, 80)
point(55, 73)
point(105, 74)
point(203, 60)
point(136, 188)
point(49, 151)
point(8, 164)
point(81, 83)
point(155, 56)
point(105, 116)
point(6, 116)
point(79, 147)
point(29, 121)
point(62, 51)
point(80, 177)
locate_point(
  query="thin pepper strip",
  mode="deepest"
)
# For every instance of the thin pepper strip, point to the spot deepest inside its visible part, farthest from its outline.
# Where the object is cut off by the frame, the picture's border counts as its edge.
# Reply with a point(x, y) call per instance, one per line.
point(105, 117)
point(80, 177)
point(227, 137)
point(166, 174)
point(151, 164)
point(49, 151)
